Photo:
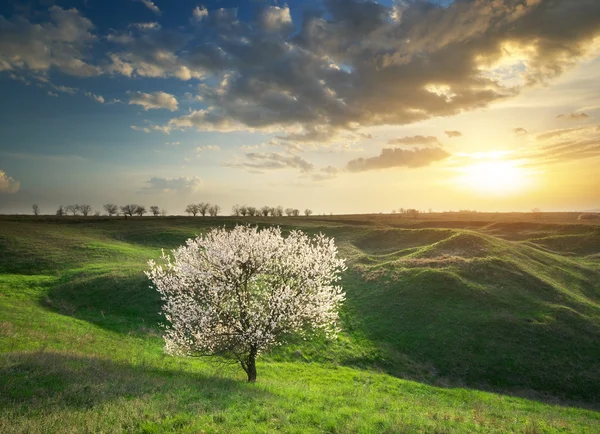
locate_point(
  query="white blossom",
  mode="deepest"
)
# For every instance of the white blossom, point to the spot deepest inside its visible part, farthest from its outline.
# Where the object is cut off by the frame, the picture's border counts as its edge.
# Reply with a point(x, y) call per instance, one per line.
point(237, 293)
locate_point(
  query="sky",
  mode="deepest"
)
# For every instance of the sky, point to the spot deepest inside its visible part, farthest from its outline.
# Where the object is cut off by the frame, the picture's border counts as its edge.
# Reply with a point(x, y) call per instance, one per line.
point(339, 106)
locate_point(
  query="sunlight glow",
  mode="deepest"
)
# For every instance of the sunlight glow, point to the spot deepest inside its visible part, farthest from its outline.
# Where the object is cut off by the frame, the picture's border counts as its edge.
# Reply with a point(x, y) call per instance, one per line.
point(494, 176)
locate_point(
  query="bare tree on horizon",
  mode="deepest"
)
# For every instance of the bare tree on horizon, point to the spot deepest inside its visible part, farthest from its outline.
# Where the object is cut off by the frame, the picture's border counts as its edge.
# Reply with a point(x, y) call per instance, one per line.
point(111, 209)
point(36, 209)
point(85, 209)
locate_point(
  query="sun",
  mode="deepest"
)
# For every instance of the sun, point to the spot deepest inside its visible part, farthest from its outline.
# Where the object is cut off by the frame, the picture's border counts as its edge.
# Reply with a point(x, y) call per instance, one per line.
point(494, 177)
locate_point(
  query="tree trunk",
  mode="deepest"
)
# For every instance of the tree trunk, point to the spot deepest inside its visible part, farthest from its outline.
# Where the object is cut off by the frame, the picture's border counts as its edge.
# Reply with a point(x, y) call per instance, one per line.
point(251, 368)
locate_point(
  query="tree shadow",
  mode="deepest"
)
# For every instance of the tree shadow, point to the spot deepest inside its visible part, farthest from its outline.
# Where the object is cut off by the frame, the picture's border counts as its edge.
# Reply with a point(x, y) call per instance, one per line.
point(47, 381)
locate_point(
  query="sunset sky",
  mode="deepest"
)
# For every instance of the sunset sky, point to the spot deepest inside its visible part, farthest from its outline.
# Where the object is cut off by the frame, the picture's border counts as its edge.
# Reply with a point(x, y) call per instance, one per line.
point(341, 106)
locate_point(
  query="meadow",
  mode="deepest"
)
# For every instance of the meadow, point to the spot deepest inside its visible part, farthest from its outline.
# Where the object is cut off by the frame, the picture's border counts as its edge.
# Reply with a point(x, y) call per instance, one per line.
point(453, 323)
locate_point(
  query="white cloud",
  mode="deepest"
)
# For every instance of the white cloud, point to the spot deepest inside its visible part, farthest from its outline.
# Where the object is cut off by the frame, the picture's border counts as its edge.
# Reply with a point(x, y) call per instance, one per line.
point(275, 18)
point(98, 98)
point(199, 13)
point(7, 184)
point(150, 5)
point(146, 26)
point(175, 185)
point(156, 100)
point(208, 148)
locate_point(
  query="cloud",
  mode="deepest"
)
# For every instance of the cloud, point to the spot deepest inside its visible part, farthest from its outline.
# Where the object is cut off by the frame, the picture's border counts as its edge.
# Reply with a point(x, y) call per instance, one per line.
point(50, 93)
point(63, 43)
point(154, 54)
point(213, 148)
point(98, 98)
point(199, 13)
point(552, 134)
point(359, 64)
point(7, 184)
point(150, 5)
point(453, 134)
point(146, 26)
point(389, 157)
point(274, 19)
point(353, 64)
point(415, 140)
point(155, 100)
point(259, 162)
point(175, 185)
point(520, 131)
point(578, 116)
point(565, 145)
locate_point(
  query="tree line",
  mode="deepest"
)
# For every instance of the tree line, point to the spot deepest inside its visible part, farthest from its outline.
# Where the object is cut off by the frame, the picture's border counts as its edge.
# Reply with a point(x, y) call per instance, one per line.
point(266, 211)
point(111, 209)
point(194, 209)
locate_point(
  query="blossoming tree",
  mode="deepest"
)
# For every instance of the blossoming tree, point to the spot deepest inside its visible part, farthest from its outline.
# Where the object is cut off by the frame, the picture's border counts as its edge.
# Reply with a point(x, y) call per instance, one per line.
point(238, 293)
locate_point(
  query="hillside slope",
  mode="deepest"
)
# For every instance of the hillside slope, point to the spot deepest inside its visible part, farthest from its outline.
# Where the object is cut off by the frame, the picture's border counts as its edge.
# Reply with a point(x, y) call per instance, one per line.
point(503, 309)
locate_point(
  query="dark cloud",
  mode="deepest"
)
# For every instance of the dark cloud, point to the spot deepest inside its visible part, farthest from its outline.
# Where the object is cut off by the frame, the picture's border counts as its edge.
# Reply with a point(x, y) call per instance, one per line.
point(453, 134)
point(520, 131)
point(580, 116)
point(415, 140)
point(353, 64)
point(398, 158)
point(362, 64)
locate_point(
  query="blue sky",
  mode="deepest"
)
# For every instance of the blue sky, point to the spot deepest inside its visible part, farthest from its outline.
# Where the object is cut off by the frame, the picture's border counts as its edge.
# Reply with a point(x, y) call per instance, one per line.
point(340, 106)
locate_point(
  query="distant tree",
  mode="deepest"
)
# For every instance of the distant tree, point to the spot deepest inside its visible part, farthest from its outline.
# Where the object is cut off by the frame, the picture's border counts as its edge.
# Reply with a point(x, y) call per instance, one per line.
point(97, 214)
point(203, 208)
point(244, 210)
point(251, 211)
point(402, 211)
point(273, 211)
point(111, 209)
point(265, 211)
point(295, 212)
point(279, 211)
point(36, 209)
point(155, 210)
point(289, 212)
point(213, 210)
point(60, 211)
point(140, 210)
point(412, 212)
point(537, 213)
point(307, 212)
point(192, 209)
point(163, 212)
point(129, 209)
point(73, 209)
point(85, 209)
point(235, 210)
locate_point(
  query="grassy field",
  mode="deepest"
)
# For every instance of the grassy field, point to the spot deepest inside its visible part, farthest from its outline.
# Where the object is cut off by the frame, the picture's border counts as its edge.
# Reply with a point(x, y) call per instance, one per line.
point(453, 323)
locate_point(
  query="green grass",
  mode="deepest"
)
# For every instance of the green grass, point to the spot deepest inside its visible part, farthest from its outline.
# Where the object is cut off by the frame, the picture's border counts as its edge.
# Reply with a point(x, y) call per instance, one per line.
point(484, 327)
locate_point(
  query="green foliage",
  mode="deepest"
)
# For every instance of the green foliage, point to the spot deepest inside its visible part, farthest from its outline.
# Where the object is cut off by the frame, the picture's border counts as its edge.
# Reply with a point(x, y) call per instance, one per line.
point(506, 308)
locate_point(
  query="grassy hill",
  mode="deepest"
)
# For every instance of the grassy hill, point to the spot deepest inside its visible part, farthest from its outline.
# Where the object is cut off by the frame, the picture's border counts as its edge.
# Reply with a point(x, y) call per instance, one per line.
point(473, 325)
